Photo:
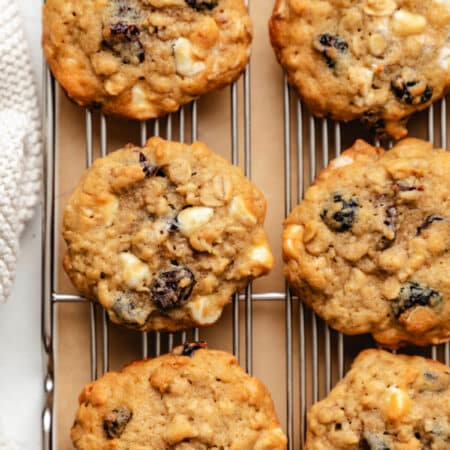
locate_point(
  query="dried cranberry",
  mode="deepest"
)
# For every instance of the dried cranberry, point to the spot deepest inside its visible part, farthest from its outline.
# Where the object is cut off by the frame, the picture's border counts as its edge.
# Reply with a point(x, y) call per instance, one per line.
point(172, 287)
point(414, 294)
point(148, 168)
point(411, 92)
point(202, 5)
point(116, 421)
point(124, 30)
point(390, 221)
point(189, 348)
point(391, 215)
point(327, 40)
point(340, 214)
point(329, 46)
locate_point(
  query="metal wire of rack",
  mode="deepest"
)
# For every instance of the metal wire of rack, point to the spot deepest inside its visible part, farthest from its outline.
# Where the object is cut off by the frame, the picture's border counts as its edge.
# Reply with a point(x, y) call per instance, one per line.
point(315, 356)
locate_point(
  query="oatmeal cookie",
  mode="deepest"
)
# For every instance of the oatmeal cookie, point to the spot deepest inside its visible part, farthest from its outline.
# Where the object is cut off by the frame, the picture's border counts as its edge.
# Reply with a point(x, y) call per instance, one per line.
point(191, 399)
point(385, 402)
point(374, 60)
point(144, 58)
point(369, 247)
point(162, 236)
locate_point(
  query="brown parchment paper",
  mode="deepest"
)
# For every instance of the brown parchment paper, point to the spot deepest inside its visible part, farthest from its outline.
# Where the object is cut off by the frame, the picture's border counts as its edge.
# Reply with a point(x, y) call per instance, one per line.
point(267, 164)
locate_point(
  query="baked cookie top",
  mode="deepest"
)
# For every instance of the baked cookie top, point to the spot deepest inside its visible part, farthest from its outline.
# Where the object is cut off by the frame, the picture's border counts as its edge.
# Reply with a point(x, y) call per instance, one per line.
point(368, 248)
point(191, 399)
point(385, 402)
point(144, 58)
point(163, 235)
point(375, 60)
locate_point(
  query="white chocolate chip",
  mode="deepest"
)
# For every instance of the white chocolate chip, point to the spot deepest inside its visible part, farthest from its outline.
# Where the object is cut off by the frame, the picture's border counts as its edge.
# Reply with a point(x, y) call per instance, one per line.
point(239, 210)
point(135, 273)
point(342, 161)
point(184, 58)
point(138, 95)
point(292, 239)
point(203, 310)
point(406, 23)
point(192, 219)
point(260, 254)
point(261, 257)
point(362, 78)
point(396, 403)
point(379, 7)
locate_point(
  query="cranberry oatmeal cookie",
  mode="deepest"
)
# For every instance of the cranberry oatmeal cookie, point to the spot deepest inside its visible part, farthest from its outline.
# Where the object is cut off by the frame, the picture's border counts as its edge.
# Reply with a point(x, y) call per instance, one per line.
point(162, 236)
point(193, 398)
point(374, 60)
point(144, 58)
point(385, 402)
point(368, 248)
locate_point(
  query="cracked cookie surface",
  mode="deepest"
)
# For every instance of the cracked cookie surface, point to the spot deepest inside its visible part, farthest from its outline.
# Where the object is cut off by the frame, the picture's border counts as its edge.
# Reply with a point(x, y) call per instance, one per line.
point(162, 236)
point(374, 60)
point(144, 58)
point(385, 402)
point(194, 400)
point(369, 247)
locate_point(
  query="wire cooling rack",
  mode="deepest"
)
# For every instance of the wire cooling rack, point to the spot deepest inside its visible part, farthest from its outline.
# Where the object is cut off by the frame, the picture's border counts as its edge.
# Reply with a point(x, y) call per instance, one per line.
point(315, 356)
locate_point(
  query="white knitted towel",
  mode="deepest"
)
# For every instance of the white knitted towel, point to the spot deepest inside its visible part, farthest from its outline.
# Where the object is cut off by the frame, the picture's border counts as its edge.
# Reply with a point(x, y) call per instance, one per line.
point(6, 444)
point(20, 142)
